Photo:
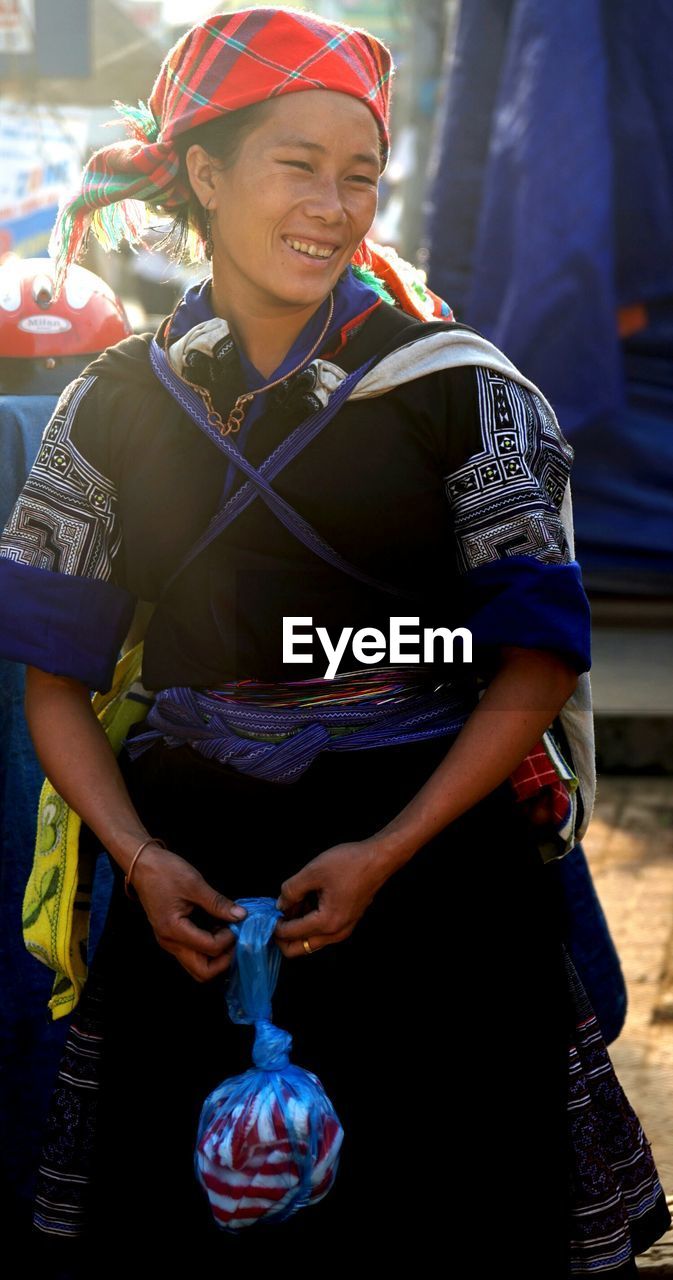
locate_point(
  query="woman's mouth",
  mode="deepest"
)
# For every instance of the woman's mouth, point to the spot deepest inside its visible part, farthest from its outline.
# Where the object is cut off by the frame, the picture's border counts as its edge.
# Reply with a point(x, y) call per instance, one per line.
point(309, 250)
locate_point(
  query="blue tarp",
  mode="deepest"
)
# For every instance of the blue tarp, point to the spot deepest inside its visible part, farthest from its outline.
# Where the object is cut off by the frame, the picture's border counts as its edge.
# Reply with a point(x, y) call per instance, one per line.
point(622, 483)
point(552, 205)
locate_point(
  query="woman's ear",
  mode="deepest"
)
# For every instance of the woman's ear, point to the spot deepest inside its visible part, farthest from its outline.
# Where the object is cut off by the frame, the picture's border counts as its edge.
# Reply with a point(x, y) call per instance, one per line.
point(201, 170)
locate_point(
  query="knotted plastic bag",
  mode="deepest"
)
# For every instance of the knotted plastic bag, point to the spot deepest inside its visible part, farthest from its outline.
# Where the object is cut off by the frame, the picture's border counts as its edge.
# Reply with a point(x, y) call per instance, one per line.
point(268, 1140)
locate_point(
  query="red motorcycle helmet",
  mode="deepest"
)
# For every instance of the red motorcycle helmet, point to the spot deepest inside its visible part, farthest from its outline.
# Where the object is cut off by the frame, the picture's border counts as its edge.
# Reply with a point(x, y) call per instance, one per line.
point(43, 339)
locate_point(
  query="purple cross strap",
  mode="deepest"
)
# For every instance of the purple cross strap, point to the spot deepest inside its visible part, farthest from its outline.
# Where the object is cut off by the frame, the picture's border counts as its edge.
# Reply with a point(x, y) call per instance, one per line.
point(257, 484)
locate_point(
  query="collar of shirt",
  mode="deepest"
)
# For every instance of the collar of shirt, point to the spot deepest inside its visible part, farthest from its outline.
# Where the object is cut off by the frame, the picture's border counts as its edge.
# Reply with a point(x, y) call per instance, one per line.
point(353, 302)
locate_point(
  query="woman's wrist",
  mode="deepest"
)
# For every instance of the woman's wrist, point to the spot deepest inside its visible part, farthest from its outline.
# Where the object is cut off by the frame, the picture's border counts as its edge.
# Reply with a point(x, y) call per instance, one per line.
point(124, 845)
point(392, 847)
point(145, 845)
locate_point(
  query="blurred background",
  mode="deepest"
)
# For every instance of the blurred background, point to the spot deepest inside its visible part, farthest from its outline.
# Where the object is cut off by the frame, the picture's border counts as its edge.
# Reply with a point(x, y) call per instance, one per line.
point(531, 177)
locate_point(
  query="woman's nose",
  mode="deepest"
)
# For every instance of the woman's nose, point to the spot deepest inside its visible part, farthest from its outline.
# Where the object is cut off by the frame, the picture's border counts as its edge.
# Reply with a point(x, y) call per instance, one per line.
point(325, 202)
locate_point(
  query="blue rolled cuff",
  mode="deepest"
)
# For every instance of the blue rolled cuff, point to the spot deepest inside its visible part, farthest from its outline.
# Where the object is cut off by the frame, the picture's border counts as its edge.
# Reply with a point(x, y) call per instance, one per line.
point(67, 625)
point(521, 602)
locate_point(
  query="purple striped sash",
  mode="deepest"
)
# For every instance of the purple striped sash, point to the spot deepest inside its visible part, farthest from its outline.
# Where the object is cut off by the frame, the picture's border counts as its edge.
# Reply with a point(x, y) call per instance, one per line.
point(234, 732)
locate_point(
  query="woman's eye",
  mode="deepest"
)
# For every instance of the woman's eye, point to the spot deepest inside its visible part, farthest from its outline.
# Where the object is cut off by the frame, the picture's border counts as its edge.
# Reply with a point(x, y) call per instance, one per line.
point(361, 178)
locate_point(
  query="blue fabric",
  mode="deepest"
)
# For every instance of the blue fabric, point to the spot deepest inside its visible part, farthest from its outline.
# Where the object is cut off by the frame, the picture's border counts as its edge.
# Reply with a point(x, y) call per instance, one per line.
point(623, 474)
point(351, 298)
point(63, 624)
point(519, 601)
point(623, 500)
point(454, 198)
point(30, 1043)
point(193, 308)
point(589, 942)
point(552, 205)
point(639, 52)
point(553, 200)
point(22, 421)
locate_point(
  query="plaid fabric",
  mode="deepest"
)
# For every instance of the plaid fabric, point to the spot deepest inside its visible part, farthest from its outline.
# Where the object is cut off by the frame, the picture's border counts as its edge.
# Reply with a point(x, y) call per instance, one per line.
point(225, 63)
point(233, 60)
point(534, 774)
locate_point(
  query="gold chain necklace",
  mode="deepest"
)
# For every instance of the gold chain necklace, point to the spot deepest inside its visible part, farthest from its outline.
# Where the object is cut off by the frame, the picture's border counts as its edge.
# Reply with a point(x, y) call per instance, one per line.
point(239, 410)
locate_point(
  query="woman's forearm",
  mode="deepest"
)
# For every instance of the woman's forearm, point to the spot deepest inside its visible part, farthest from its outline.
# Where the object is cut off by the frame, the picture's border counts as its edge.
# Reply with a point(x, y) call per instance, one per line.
point(79, 762)
point(521, 702)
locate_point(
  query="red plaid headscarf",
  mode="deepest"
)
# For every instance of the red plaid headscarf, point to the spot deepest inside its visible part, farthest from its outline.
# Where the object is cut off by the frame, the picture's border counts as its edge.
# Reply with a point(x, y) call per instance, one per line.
point(229, 61)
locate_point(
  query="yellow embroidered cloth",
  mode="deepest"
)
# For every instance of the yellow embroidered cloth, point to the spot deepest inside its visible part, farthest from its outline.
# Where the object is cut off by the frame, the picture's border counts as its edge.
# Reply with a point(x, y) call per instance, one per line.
point(57, 901)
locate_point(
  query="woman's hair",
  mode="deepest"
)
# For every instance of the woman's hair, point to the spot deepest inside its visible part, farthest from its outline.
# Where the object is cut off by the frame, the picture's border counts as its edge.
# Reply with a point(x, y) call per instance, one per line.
point(222, 138)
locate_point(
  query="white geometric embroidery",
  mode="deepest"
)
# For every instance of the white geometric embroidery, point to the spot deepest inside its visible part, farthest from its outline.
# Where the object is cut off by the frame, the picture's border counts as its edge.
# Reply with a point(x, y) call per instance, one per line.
point(65, 517)
point(506, 499)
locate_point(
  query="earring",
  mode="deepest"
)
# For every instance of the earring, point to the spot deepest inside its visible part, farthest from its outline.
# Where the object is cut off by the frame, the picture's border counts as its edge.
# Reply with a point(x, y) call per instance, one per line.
point(209, 236)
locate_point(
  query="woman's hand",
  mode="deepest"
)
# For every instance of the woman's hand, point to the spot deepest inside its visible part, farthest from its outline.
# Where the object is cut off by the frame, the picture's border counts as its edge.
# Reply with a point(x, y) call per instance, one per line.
point(324, 901)
point(81, 764)
point(170, 889)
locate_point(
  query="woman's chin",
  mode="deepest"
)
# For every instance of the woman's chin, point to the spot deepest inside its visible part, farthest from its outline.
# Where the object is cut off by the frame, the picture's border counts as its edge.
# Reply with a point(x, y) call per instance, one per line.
point(306, 287)
point(293, 295)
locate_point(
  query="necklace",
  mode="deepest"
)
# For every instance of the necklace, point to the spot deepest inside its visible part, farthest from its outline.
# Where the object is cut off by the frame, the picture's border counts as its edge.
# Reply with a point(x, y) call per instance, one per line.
point(237, 414)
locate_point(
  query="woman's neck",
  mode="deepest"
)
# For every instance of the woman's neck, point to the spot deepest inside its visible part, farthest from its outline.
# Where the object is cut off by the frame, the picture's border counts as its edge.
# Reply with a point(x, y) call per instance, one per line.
point(265, 338)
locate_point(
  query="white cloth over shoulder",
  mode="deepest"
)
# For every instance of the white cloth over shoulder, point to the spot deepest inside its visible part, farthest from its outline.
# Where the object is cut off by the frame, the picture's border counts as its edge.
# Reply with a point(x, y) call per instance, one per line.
point(452, 349)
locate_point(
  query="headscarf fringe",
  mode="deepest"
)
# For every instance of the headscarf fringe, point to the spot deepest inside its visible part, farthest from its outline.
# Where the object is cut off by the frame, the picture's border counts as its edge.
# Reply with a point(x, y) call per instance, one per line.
point(68, 238)
point(125, 220)
point(140, 121)
point(112, 224)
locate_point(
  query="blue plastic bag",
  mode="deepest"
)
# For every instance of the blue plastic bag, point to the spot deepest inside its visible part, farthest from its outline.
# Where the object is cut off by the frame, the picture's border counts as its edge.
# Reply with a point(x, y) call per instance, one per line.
point(268, 1141)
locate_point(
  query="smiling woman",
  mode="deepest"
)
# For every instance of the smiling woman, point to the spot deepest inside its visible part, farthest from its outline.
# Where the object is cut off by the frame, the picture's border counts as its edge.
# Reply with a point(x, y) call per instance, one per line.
point(310, 436)
point(286, 214)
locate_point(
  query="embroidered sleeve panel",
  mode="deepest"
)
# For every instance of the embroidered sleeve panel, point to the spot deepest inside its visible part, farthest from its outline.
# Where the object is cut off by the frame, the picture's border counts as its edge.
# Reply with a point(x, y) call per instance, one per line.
point(506, 498)
point(65, 517)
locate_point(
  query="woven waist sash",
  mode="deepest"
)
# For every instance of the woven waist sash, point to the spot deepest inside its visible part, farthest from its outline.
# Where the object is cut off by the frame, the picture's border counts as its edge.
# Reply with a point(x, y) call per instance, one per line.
point(279, 743)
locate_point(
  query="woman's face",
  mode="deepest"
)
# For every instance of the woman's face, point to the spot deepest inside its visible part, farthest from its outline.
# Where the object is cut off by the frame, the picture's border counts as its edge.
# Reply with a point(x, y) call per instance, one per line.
point(287, 217)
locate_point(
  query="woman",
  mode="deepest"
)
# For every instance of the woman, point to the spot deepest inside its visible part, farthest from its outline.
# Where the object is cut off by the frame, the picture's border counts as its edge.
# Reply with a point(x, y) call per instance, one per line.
point(425, 979)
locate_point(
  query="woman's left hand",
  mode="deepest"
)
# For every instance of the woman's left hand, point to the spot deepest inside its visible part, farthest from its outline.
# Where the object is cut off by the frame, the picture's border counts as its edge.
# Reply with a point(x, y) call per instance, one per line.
point(344, 880)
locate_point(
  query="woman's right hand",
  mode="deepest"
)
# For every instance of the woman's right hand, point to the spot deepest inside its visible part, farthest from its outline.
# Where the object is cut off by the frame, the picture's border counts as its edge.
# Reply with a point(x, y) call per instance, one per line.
point(170, 889)
point(79, 761)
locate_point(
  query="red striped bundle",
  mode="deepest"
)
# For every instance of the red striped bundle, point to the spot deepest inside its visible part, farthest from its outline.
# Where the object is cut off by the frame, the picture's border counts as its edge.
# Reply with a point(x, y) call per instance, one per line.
point(268, 1145)
point(268, 1140)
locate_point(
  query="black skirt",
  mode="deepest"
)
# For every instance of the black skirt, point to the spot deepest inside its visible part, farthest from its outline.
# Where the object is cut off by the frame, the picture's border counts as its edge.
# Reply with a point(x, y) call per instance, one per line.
point(440, 1030)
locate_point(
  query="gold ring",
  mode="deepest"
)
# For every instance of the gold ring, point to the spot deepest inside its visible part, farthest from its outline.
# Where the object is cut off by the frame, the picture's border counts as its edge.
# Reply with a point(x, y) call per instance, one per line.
point(307, 946)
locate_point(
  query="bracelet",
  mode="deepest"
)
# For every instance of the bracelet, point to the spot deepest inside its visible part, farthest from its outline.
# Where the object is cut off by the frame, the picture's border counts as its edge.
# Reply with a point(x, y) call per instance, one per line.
point(129, 873)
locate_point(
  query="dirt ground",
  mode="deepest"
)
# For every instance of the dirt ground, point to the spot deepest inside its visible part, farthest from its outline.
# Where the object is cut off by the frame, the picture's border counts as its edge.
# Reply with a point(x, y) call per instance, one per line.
point(630, 850)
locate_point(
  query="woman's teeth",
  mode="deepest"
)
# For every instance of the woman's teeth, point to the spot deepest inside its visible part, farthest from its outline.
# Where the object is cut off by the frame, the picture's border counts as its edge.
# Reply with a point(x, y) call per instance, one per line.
point(311, 249)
